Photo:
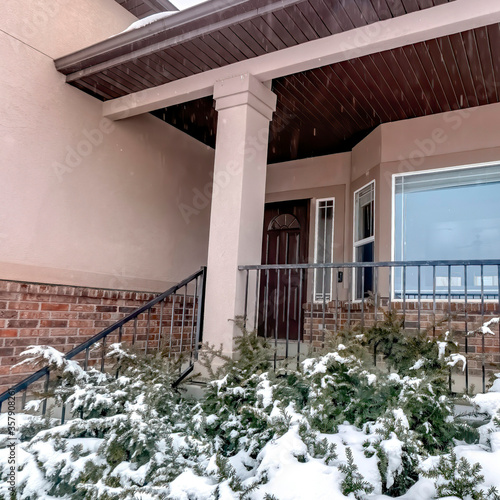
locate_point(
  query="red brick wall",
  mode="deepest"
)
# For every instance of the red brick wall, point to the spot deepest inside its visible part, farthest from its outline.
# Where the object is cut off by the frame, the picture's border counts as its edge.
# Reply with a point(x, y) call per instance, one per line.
point(481, 349)
point(65, 316)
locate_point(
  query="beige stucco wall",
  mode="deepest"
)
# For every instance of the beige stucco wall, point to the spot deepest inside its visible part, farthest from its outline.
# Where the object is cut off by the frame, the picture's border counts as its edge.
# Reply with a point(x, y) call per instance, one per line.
point(59, 27)
point(314, 178)
point(449, 139)
point(85, 201)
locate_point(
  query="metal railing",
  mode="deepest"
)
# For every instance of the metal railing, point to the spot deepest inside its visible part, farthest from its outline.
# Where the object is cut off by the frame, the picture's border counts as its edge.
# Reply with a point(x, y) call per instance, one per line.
point(295, 305)
point(171, 323)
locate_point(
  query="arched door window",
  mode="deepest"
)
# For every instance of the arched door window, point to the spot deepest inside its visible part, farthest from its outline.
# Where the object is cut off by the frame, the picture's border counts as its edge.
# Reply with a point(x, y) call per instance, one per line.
point(283, 222)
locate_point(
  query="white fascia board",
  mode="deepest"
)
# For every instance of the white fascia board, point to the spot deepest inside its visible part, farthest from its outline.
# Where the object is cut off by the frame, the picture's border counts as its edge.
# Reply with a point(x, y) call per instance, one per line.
point(434, 22)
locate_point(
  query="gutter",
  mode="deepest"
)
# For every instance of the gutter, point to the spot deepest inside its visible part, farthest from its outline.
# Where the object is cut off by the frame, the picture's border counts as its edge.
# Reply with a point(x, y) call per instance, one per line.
point(130, 45)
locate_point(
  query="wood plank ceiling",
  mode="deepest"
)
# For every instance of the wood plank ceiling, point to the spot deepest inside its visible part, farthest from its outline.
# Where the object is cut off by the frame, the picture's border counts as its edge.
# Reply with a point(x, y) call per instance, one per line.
point(325, 110)
point(246, 32)
point(329, 109)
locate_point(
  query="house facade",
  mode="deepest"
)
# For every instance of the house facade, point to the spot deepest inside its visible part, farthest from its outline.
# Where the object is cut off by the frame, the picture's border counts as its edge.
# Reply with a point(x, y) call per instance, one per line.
point(247, 133)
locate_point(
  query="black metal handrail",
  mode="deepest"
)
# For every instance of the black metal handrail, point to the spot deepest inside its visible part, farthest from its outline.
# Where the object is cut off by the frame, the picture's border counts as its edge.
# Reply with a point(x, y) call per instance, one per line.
point(390, 263)
point(296, 304)
point(198, 278)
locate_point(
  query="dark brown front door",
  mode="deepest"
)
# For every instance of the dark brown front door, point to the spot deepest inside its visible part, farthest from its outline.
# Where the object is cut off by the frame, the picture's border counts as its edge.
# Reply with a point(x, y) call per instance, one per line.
point(285, 241)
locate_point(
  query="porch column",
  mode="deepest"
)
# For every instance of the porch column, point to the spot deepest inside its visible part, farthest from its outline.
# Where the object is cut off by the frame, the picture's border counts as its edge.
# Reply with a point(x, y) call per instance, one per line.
point(245, 108)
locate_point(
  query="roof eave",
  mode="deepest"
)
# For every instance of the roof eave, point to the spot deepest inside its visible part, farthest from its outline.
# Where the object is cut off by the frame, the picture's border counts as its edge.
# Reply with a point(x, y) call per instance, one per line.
point(76, 60)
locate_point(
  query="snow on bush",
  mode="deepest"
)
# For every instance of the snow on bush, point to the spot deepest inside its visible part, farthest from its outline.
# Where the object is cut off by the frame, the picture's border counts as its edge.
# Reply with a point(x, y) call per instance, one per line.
point(334, 428)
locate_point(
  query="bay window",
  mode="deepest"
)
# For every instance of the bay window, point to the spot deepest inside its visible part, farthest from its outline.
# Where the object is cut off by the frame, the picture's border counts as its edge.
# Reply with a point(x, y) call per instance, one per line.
point(449, 214)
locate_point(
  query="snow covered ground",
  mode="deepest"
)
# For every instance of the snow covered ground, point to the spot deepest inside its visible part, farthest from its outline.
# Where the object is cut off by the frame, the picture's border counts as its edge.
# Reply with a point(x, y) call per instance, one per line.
point(292, 473)
point(255, 436)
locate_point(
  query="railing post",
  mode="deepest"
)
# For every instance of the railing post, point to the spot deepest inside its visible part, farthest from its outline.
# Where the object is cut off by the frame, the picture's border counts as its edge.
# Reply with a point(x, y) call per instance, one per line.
point(160, 325)
point(419, 296)
point(183, 320)
point(86, 362)
point(349, 296)
point(103, 353)
point(245, 307)
point(193, 338)
point(311, 317)
point(23, 399)
point(172, 320)
point(201, 312)
point(466, 320)
point(266, 303)
point(277, 318)
point(498, 291)
point(404, 294)
point(390, 289)
point(257, 298)
point(434, 301)
point(300, 326)
point(45, 390)
point(483, 356)
point(289, 279)
point(336, 327)
point(148, 325)
point(323, 322)
point(449, 299)
point(362, 298)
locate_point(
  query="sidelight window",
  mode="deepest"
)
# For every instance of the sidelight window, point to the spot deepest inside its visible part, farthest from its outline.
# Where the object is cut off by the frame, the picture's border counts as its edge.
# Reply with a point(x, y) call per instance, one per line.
point(323, 249)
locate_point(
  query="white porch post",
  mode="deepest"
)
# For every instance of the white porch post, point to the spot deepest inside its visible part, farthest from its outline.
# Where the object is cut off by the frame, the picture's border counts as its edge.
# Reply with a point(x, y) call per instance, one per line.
point(245, 108)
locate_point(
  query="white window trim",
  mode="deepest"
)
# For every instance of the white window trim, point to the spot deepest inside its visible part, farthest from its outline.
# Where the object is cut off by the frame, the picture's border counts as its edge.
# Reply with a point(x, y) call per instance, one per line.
point(316, 214)
point(364, 241)
point(393, 217)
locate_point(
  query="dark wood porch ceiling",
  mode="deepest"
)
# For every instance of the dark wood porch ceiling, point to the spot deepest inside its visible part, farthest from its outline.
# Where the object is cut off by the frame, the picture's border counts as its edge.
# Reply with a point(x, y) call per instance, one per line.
point(145, 8)
point(217, 33)
point(322, 111)
point(329, 109)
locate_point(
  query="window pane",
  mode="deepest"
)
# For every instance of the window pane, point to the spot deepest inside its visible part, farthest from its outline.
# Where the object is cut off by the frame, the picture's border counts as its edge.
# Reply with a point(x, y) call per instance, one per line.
point(364, 215)
point(450, 215)
point(324, 248)
point(364, 253)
